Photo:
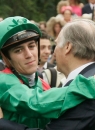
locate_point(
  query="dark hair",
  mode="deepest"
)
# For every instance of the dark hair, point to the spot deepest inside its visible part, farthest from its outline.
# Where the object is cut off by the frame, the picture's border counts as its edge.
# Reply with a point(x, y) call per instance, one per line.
point(44, 35)
point(60, 25)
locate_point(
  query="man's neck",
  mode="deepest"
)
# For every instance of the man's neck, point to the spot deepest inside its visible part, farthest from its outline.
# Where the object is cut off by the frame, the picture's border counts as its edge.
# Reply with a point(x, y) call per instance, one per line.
point(76, 71)
point(76, 64)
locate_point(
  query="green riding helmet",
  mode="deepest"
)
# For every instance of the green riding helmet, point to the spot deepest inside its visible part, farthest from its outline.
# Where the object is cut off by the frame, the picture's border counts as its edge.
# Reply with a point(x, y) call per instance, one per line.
point(16, 30)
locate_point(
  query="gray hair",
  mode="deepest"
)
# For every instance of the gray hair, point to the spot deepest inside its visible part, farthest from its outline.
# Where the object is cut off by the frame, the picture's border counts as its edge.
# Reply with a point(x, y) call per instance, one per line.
point(81, 34)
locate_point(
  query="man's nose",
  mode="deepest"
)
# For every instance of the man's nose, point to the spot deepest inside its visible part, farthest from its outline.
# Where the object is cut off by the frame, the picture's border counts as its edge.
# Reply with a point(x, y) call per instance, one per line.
point(47, 50)
point(28, 52)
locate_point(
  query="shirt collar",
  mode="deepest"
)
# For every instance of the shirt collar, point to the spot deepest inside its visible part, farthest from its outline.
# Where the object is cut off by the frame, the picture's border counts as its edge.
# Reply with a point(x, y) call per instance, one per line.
point(75, 72)
point(31, 79)
point(45, 66)
point(92, 5)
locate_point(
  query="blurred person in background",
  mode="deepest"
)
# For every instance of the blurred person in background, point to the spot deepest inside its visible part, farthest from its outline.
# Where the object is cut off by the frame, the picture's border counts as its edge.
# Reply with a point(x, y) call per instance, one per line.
point(89, 7)
point(53, 77)
point(45, 51)
point(59, 7)
point(76, 7)
point(42, 25)
point(1, 19)
point(67, 14)
point(87, 16)
point(54, 26)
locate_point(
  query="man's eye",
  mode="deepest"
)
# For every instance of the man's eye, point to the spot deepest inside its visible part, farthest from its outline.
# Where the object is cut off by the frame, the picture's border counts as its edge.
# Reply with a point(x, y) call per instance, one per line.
point(17, 51)
point(49, 47)
point(32, 45)
point(42, 47)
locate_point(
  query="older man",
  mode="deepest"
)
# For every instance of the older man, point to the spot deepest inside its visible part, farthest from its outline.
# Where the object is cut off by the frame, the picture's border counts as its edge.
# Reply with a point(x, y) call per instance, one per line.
point(75, 103)
point(76, 47)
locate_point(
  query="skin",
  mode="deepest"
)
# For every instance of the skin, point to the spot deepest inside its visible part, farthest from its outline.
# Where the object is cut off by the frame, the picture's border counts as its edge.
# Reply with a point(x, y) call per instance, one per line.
point(42, 27)
point(24, 57)
point(65, 59)
point(91, 1)
point(67, 15)
point(57, 28)
point(59, 54)
point(45, 50)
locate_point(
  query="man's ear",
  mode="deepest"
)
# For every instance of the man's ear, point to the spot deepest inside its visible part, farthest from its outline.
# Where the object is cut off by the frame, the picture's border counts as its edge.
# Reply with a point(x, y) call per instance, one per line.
point(68, 47)
point(6, 60)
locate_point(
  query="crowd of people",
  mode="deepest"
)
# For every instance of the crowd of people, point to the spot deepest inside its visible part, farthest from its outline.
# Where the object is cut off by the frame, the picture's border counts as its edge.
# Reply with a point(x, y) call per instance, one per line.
point(47, 70)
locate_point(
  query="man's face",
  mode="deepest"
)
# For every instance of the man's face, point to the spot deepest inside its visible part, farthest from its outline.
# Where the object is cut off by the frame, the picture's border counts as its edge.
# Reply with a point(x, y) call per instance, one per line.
point(45, 50)
point(24, 57)
point(57, 28)
point(67, 15)
point(60, 54)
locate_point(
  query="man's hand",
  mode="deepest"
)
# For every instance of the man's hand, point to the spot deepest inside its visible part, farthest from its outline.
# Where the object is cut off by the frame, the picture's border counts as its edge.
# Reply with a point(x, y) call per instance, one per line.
point(1, 113)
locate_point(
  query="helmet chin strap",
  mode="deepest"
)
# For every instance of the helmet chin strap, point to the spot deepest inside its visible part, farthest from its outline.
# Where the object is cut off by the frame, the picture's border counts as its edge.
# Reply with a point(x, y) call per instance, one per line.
point(39, 60)
point(19, 77)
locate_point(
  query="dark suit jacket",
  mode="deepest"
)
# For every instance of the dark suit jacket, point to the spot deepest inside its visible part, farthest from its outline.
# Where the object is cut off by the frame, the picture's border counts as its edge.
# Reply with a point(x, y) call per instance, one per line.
point(86, 9)
point(10, 125)
point(81, 117)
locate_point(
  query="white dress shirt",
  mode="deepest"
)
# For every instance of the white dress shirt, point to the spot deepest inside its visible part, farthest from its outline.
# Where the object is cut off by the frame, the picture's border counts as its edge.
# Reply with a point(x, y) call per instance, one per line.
point(75, 72)
point(92, 5)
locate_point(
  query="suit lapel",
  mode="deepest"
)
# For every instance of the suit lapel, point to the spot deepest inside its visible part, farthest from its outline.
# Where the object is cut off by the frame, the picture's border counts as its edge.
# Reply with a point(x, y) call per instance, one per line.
point(86, 72)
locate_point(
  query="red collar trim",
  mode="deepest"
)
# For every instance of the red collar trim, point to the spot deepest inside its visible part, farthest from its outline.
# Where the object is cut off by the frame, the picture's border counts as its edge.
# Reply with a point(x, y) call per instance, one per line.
point(7, 70)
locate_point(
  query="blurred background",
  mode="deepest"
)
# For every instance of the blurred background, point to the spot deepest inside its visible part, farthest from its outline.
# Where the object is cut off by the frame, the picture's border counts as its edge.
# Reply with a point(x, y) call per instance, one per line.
point(37, 10)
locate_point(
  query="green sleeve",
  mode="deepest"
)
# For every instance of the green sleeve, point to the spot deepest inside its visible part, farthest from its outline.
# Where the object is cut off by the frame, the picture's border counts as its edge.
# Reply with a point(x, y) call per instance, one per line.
point(18, 97)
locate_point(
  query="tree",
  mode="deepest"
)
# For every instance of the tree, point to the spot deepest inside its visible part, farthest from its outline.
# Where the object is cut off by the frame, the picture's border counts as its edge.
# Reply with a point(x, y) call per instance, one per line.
point(37, 10)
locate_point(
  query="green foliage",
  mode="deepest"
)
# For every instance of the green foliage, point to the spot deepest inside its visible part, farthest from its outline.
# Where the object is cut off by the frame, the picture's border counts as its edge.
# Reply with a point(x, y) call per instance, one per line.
point(37, 10)
point(4, 9)
point(84, 1)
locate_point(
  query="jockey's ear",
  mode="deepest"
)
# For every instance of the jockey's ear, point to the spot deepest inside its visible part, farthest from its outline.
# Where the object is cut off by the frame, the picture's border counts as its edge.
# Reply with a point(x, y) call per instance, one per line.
point(1, 113)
